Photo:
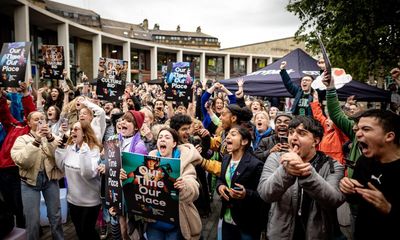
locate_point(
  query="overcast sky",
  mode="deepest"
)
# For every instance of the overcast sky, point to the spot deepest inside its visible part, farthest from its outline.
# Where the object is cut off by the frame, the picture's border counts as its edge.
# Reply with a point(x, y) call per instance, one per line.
point(233, 22)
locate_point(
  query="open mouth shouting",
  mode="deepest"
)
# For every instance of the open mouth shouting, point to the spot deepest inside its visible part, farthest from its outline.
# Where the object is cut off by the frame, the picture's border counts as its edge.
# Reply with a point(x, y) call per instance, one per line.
point(162, 146)
point(229, 145)
point(364, 147)
point(282, 130)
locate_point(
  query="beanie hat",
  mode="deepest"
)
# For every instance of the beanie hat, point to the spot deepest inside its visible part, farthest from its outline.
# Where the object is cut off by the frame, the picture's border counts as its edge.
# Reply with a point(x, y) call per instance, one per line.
point(286, 114)
point(243, 114)
point(139, 118)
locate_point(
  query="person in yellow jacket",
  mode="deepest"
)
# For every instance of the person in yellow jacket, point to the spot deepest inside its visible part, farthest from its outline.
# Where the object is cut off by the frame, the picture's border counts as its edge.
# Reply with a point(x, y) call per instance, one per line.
point(231, 115)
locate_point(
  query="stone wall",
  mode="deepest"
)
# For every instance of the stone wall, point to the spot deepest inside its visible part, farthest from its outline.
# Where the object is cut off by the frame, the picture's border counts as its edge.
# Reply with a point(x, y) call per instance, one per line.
point(278, 47)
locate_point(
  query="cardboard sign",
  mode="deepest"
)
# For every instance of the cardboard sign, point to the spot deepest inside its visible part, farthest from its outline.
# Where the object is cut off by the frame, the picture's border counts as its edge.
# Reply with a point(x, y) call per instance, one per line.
point(178, 82)
point(149, 190)
point(13, 58)
point(113, 192)
point(111, 79)
point(53, 57)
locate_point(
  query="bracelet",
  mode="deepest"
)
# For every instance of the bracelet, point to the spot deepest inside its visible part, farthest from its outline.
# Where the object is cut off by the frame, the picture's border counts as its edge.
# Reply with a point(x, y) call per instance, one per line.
point(51, 138)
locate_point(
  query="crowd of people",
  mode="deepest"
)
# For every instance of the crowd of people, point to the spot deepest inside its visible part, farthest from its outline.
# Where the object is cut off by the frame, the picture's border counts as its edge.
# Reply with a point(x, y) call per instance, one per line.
point(308, 173)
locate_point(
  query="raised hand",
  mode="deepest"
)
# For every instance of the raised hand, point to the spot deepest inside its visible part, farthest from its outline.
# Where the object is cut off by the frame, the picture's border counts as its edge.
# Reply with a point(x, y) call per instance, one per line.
point(240, 82)
point(328, 80)
point(315, 96)
point(283, 65)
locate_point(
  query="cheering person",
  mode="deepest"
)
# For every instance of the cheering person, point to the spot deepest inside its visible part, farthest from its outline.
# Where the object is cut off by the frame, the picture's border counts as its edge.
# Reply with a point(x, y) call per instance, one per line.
point(243, 212)
point(79, 161)
point(189, 218)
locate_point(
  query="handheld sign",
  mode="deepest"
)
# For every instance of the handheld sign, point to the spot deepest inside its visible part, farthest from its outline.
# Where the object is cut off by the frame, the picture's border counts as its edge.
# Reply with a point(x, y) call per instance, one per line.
point(178, 82)
point(113, 192)
point(149, 189)
point(111, 79)
point(13, 58)
point(53, 57)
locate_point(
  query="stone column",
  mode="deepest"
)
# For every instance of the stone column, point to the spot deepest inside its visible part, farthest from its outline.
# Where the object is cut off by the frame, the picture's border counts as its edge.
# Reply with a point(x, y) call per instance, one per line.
point(227, 66)
point(97, 53)
point(22, 34)
point(179, 56)
point(203, 68)
point(153, 63)
point(249, 68)
point(126, 52)
point(63, 40)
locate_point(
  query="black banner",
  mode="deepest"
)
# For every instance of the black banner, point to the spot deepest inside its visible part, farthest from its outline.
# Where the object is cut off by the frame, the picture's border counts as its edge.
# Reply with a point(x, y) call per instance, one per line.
point(111, 79)
point(113, 165)
point(13, 58)
point(53, 57)
point(178, 82)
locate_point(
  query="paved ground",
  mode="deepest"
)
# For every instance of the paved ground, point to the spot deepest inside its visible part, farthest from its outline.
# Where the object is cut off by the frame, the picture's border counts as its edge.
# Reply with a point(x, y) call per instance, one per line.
point(210, 225)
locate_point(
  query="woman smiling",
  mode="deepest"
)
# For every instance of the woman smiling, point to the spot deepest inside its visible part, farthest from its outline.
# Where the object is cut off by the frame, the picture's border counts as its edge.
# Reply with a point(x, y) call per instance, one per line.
point(189, 219)
point(79, 161)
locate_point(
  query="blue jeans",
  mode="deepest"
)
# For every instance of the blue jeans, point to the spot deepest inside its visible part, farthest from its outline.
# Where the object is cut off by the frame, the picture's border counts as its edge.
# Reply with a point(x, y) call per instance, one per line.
point(31, 203)
point(153, 233)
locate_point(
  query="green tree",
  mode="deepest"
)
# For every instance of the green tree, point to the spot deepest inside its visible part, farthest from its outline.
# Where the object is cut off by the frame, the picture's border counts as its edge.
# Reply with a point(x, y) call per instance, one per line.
point(361, 36)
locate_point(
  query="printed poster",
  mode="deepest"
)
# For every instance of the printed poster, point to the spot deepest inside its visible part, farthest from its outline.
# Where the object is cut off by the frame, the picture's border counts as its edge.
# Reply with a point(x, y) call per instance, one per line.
point(111, 79)
point(178, 82)
point(113, 191)
point(13, 58)
point(149, 190)
point(53, 58)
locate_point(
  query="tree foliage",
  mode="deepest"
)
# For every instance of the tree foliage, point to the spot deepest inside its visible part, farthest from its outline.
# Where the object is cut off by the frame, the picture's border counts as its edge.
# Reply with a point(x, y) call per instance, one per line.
point(361, 36)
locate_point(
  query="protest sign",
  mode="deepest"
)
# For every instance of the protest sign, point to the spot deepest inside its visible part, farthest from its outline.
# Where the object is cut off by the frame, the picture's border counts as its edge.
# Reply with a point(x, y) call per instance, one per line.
point(178, 82)
point(111, 79)
point(113, 191)
point(53, 58)
point(13, 59)
point(149, 189)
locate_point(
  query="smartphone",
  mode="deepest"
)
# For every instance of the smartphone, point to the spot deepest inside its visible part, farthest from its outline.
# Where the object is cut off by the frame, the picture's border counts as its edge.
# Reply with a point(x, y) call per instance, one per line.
point(41, 124)
point(64, 120)
point(284, 140)
point(237, 188)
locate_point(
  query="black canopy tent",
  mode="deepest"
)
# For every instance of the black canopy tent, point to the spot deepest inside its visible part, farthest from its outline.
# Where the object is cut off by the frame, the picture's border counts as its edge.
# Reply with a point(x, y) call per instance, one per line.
point(267, 81)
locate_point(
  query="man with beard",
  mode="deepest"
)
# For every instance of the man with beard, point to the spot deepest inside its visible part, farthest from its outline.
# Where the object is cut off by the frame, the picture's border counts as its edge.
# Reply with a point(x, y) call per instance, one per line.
point(275, 143)
point(373, 186)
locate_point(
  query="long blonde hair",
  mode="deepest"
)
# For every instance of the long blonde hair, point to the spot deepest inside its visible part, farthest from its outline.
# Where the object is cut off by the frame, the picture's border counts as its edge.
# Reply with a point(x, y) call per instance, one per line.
point(88, 136)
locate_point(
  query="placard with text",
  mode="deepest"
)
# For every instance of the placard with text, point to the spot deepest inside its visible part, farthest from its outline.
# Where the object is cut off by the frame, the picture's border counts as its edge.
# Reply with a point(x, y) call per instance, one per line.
point(149, 189)
point(113, 191)
point(53, 58)
point(178, 82)
point(111, 79)
point(13, 58)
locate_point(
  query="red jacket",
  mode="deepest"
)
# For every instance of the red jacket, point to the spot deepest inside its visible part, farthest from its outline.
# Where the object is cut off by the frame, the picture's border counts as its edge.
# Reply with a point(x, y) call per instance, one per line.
point(333, 139)
point(13, 127)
